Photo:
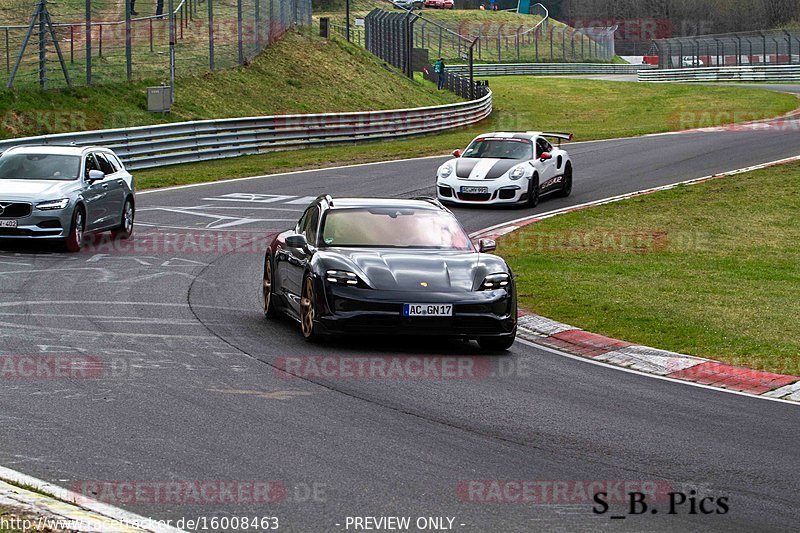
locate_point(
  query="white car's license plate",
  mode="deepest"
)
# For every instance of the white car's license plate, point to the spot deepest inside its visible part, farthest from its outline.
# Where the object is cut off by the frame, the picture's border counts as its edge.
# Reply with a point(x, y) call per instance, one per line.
point(8, 223)
point(475, 190)
point(427, 310)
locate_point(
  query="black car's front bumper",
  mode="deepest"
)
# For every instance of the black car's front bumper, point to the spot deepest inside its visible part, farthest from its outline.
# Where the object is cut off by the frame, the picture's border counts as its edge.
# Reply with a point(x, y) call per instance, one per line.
point(476, 314)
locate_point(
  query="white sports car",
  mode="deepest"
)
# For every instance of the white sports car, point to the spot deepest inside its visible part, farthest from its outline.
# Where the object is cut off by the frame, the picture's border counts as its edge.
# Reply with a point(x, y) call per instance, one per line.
point(506, 168)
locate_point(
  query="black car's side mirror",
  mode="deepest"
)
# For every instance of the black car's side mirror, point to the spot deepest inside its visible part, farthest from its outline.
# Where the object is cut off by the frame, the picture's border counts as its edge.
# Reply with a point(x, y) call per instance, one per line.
point(486, 245)
point(95, 175)
point(296, 241)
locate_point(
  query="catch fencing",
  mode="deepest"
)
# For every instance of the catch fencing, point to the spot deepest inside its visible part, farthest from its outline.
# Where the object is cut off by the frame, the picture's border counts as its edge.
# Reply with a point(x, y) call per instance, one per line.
point(187, 142)
point(103, 42)
point(774, 47)
point(774, 74)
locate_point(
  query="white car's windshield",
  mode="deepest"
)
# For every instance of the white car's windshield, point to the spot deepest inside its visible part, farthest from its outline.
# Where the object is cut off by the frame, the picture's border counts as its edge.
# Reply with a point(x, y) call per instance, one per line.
point(500, 149)
point(392, 227)
point(39, 167)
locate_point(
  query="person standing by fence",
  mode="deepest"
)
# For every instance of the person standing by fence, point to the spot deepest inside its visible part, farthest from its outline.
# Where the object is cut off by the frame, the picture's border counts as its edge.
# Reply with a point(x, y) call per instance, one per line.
point(438, 68)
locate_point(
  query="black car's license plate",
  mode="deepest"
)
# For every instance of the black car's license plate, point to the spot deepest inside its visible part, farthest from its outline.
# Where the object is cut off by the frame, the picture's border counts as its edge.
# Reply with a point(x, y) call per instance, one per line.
point(427, 310)
point(475, 190)
point(8, 223)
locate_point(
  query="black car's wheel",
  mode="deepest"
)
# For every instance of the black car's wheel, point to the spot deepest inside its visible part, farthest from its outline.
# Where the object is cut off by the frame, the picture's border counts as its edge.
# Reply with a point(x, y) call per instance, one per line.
point(125, 228)
point(533, 191)
point(74, 241)
point(566, 187)
point(266, 291)
point(497, 344)
point(308, 310)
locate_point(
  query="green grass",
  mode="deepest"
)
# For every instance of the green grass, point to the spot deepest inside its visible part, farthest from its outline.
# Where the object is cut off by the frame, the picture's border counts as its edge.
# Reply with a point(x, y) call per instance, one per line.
point(299, 74)
point(711, 270)
point(590, 109)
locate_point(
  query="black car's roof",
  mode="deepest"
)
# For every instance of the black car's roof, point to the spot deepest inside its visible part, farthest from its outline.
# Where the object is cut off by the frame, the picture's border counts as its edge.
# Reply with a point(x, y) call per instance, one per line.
point(342, 203)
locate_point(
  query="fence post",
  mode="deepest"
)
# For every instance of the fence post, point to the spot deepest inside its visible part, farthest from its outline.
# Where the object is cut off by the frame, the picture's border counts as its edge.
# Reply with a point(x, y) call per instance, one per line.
point(151, 34)
point(239, 36)
point(71, 43)
point(171, 7)
point(88, 42)
point(8, 54)
point(257, 8)
point(210, 34)
point(42, 48)
point(128, 41)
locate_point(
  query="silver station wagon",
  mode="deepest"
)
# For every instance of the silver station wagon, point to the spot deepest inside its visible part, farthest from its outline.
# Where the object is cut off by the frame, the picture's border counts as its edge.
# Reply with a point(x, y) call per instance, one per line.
point(63, 193)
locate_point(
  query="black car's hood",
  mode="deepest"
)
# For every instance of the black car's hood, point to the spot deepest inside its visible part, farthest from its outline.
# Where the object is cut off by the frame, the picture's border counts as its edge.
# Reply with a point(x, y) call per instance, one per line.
point(420, 270)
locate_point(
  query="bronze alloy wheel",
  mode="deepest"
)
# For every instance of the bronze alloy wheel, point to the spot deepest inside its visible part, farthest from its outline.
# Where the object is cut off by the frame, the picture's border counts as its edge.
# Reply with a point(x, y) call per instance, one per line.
point(266, 289)
point(307, 308)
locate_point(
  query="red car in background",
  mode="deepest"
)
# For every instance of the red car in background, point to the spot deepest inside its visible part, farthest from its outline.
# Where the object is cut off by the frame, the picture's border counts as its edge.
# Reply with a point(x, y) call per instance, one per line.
point(439, 4)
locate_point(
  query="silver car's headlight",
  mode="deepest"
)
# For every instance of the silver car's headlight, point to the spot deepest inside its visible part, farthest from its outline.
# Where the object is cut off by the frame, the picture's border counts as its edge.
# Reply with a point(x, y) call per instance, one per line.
point(446, 170)
point(517, 173)
point(495, 281)
point(53, 204)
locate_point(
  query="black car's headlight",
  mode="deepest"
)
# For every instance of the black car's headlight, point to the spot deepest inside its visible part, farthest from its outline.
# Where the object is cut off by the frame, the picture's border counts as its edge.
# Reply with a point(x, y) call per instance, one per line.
point(53, 204)
point(495, 281)
point(344, 278)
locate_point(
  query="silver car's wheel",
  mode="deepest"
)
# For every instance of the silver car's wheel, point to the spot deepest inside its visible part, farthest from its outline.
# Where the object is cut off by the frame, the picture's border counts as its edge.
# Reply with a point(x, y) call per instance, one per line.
point(125, 228)
point(74, 241)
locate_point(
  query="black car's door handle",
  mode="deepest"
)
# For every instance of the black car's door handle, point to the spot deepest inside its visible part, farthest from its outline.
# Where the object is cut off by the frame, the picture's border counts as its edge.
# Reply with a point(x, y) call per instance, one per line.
point(105, 186)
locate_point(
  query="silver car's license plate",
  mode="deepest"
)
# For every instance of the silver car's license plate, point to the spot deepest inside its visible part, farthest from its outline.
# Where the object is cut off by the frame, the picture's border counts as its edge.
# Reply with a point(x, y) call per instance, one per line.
point(427, 310)
point(8, 223)
point(475, 190)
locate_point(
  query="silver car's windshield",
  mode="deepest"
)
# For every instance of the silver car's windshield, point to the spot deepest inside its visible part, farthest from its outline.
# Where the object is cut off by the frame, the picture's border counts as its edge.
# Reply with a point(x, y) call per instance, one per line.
point(39, 167)
point(391, 227)
point(500, 149)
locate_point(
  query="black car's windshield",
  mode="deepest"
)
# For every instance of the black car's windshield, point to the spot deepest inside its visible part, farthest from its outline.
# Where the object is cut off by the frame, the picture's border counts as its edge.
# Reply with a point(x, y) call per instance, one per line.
point(500, 149)
point(39, 167)
point(391, 227)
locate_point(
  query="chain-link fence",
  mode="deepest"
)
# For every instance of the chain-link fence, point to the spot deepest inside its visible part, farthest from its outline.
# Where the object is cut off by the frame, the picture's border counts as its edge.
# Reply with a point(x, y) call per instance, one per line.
point(113, 41)
point(775, 47)
point(539, 39)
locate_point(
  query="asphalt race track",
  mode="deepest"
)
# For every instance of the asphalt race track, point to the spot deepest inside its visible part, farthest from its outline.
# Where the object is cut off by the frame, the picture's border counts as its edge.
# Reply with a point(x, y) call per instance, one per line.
point(188, 387)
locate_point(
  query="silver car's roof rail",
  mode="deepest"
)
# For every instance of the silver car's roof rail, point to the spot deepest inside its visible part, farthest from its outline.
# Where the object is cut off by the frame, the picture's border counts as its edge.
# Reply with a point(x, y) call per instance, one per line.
point(430, 200)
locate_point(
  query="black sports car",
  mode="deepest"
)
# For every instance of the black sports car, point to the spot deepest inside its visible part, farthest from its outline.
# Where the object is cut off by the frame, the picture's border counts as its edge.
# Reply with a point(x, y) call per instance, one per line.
point(386, 266)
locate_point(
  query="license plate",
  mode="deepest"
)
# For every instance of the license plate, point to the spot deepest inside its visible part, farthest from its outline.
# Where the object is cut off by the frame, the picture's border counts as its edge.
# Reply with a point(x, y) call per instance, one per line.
point(8, 223)
point(475, 190)
point(427, 310)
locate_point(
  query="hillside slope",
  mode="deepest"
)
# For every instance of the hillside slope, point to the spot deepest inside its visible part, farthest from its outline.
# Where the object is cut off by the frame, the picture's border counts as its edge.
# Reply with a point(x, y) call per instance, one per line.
point(299, 74)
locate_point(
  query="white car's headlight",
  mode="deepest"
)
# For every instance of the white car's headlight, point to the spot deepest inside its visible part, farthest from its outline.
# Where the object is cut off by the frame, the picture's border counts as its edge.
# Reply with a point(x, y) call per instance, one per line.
point(53, 204)
point(446, 170)
point(517, 173)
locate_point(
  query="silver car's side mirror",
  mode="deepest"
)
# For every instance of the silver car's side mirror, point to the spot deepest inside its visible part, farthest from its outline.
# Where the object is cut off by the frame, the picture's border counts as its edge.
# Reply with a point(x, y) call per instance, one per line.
point(95, 175)
point(486, 245)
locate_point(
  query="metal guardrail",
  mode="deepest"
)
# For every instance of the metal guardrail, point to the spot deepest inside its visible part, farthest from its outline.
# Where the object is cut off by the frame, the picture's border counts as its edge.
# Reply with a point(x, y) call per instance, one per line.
point(206, 140)
point(542, 69)
point(774, 73)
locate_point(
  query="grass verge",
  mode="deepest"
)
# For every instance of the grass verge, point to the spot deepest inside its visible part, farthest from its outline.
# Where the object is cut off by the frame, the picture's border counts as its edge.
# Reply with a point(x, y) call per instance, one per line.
point(299, 74)
point(711, 270)
point(590, 109)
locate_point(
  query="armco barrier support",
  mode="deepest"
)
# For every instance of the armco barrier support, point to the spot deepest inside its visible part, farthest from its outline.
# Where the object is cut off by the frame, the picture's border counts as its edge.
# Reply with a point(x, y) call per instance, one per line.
point(767, 73)
point(205, 140)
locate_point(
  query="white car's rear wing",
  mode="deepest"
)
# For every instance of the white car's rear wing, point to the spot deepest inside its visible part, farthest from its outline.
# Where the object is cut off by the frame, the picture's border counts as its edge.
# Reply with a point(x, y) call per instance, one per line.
point(558, 135)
